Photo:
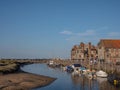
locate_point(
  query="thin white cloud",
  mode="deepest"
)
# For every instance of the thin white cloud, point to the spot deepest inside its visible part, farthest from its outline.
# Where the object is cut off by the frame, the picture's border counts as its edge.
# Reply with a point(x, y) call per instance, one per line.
point(91, 35)
point(80, 35)
point(114, 34)
point(85, 36)
point(66, 32)
point(87, 33)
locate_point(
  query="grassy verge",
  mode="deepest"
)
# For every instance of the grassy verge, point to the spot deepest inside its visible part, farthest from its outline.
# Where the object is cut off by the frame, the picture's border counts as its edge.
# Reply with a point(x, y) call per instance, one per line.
point(8, 66)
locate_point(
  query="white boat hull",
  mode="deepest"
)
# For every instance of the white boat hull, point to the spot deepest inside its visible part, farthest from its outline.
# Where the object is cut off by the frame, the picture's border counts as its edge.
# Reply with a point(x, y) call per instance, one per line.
point(101, 74)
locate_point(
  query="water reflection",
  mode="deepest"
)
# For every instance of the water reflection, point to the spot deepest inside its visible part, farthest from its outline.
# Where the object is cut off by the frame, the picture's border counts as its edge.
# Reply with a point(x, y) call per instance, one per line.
point(65, 81)
point(104, 85)
point(85, 83)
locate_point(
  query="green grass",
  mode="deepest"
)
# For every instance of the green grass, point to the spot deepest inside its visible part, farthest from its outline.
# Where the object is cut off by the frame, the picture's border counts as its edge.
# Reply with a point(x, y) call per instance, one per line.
point(7, 66)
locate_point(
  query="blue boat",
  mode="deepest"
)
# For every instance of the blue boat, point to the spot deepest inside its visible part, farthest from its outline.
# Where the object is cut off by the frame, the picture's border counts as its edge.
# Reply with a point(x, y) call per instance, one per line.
point(82, 68)
point(69, 69)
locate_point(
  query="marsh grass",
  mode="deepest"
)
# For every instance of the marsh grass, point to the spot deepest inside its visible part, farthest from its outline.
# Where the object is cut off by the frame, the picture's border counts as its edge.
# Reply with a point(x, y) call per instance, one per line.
point(7, 66)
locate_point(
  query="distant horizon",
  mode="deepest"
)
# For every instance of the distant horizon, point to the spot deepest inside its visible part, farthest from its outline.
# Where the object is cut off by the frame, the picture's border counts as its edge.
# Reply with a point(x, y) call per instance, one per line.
point(50, 28)
point(59, 57)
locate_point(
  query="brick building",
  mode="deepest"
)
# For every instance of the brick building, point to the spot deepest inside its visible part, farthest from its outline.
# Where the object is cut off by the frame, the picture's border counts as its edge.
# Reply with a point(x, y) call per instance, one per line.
point(83, 51)
point(109, 50)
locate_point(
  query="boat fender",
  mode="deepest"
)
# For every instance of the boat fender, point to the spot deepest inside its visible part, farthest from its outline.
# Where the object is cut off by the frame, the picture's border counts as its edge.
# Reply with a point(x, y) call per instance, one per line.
point(115, 82)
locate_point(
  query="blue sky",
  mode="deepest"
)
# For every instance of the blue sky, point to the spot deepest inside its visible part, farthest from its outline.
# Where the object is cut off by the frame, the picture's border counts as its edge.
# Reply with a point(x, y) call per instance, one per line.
point(50, 28)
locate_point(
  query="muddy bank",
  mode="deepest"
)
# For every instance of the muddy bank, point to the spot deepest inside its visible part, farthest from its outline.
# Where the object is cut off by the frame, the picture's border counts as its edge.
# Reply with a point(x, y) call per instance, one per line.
point(12, 78)
point(23, 81)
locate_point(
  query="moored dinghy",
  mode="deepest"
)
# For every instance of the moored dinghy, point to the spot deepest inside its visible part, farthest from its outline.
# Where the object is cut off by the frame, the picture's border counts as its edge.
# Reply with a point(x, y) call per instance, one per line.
point(82, 70)
point(76, 69)
point(90, 74)
point(69, 69)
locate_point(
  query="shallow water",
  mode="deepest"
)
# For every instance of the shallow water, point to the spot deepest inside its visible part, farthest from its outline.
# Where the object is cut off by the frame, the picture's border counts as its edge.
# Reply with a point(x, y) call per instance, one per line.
point(65, 81)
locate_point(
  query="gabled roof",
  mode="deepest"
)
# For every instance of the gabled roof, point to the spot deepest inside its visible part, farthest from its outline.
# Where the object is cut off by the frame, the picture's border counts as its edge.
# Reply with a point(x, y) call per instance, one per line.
point(110, 43)
point(74, 47)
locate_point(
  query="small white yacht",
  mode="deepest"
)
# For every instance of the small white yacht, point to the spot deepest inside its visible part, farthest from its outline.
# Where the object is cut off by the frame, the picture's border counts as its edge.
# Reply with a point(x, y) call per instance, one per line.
point(101, 74)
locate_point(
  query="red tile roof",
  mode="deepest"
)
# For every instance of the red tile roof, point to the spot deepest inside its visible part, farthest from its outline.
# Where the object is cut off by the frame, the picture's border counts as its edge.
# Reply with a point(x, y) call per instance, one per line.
point(110, 43)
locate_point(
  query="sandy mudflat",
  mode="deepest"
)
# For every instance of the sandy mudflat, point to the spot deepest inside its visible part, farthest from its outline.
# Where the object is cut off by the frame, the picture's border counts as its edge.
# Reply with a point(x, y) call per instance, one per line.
point(23, 81)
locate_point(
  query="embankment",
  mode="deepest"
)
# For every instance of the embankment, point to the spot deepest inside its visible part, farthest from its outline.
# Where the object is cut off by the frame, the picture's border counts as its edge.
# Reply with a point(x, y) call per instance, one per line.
point(12, 78)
